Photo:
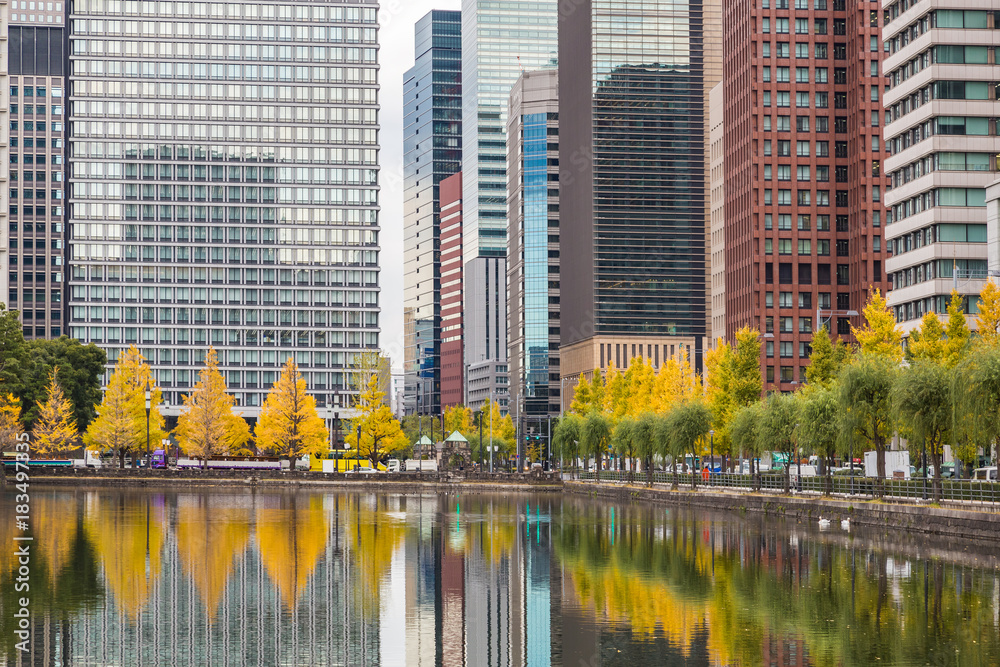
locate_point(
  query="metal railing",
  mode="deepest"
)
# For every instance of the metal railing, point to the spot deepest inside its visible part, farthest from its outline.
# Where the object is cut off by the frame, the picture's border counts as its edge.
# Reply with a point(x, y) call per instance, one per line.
point(979, 492)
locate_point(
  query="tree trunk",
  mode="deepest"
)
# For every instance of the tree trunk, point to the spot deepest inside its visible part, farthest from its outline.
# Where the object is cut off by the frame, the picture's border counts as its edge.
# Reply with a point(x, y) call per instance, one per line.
point(291, 463)
point(788, 475)
point(936, 458)
point(121, 458)
point(879, 461)
point(829, 475)
point(694, 474)
point(649, 471)
point(674, 485)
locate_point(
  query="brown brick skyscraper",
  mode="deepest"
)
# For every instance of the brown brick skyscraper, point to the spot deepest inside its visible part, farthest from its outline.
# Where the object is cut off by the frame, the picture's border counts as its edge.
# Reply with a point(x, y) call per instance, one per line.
point(803, 180)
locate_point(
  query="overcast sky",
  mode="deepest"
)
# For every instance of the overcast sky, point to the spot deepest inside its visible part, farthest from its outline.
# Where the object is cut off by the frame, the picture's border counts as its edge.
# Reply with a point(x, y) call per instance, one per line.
point(396, 18)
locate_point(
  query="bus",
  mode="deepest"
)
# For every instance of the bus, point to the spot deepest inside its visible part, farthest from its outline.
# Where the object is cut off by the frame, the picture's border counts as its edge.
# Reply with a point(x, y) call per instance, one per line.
point(340, 461)
point(10, 462)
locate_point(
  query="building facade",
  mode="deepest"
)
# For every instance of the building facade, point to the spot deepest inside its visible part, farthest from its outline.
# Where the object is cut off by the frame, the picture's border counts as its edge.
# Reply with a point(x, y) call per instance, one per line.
point(717, 228)
point(452, 266)
point(499, 41)
point(633, 160)
point(484, 331)
point(533, 243)
point(804, 211)
point(9, 279)
point(36, 53)
point(432, 151)
point(225, 190)
point(941, 133)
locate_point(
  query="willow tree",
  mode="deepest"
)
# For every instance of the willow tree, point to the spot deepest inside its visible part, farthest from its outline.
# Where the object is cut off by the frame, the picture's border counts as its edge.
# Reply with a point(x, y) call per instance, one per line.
point(644, 434)
point(922, 404)
point(818, 428)
point(776, 430)
point(689, 424)
point(743, 431)
point(566, 437)
point(624, 442)
point(596, 436)
point(865, 399)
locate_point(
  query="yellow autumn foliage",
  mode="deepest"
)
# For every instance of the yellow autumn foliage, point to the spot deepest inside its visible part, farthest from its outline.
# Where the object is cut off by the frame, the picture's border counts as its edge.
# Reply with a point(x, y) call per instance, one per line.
point(291, 540)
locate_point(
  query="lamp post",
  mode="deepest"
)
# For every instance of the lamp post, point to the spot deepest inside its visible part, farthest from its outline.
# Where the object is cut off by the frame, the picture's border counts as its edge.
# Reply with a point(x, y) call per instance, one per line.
point(149, 405)
point(711, 451)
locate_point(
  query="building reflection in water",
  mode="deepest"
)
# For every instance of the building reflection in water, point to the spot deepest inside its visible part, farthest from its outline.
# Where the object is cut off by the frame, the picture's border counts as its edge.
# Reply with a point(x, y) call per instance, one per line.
point(262, 578)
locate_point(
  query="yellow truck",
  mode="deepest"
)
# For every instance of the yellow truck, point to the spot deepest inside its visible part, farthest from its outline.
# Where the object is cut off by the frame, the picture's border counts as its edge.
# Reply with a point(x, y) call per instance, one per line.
point(335, 461)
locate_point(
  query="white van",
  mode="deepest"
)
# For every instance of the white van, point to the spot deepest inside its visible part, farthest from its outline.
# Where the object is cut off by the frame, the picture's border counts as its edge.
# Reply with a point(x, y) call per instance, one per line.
point(986, 474)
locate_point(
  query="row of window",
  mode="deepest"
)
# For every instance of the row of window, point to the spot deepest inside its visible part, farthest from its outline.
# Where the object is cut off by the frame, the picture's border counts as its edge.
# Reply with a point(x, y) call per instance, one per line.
point(914, 310)
point(786, 273)
point(152, 50)
point(227, 337)
point(806, 197)
point(975, 197)
point(230, 235)
point(802, 5)
point(783, 25)
point(944, 90)
point(36, 142)
point(36, 176)
point(960, 233)
point(30, 260)
point(805, 246)
point(217, 316)
point(944, 162)
point(945, 125)
point(35, 296)
point(117, 252)
point(333, 73)
point(35, 126)
point(786, 350)
point(15, 211)
point(234, 93)
point(35, 109)
point(184, 274)
point(36, 244)
point(236, 132)
point(218, 10)
point(786, 324)
point(35, 92)
point(975, 269)
point(36, 278)
point(15, 193)
point(965, 19)
point(805, 301)
point(231, 295)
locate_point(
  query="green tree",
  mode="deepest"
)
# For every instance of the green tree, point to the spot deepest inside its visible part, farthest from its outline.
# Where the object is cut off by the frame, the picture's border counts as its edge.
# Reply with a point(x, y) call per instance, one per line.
point(624, 442)
point(827, 358)
point(977, 395)
point(776, 430)
point(596, 434)
point(288, 424)
point(865, 389)
point(743, 431)
point(746, 381)
point(689, 423)
point(880, 335)
point(644, 434)
point(819, 425)
point(81, 371)
point(922, 403)
point(14, 359)
point(566, 437)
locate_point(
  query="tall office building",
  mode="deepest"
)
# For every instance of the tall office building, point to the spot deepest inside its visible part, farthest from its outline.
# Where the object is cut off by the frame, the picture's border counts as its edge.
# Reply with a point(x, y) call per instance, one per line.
point(452, 346)
point(940, 129)
point(8, 279)
point(36, 52)
point(634, 83)
point(484, 332)
point(803, 155)
point(225, 189)
point(717, 213)
point(533, 244)
point(499, 41)
point(432, 151)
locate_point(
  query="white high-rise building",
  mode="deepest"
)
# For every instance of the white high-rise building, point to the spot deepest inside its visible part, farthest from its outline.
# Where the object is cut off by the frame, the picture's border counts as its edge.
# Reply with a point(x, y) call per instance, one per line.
point(940, 115)
point(224, 188)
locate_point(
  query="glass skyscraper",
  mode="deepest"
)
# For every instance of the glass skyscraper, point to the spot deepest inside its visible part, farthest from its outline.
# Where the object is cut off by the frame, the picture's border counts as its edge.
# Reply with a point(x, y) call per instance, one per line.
point(224, 188)
point(499, 41)
point(432, 151)
point(633, 87)
point(533, 244)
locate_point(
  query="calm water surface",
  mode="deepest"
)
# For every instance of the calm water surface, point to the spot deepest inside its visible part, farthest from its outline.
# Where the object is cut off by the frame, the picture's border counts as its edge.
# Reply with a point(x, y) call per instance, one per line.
point(271, 578)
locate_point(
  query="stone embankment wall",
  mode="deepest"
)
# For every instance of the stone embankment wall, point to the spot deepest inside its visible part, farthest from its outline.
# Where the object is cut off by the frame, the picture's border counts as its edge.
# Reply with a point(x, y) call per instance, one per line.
point(967, 523)
point(273, 479)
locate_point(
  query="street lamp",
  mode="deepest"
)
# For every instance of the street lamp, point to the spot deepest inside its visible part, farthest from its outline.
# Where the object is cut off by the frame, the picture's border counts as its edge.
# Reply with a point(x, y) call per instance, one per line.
point(711, 451)
point(149, 401)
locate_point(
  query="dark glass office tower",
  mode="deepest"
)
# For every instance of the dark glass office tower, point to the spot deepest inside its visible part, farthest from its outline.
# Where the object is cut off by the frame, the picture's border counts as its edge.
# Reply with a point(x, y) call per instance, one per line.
point(633, 87)
point(37, 60)
point(432, 151)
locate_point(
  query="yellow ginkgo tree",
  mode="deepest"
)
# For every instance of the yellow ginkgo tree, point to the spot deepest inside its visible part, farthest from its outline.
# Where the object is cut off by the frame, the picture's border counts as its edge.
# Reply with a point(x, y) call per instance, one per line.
point(208, 427)
point(121, 423)
point(375, 431)
point(988, 319)
point(288, 423)
point(11, 427)
point(55, 430)
point(879, 335)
